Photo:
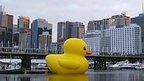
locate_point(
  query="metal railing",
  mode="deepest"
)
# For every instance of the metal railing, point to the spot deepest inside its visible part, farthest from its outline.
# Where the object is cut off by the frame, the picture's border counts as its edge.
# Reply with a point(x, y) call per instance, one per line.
point(25, 50)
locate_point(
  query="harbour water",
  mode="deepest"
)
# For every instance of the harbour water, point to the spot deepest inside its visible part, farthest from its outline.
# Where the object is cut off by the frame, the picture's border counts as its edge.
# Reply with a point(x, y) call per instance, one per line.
point(119, 75)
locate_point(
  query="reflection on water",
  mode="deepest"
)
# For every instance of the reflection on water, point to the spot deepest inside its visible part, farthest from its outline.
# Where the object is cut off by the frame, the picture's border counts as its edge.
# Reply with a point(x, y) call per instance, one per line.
point(127, 75)
point(90, 76)
point(24, 77)
point(77, 77)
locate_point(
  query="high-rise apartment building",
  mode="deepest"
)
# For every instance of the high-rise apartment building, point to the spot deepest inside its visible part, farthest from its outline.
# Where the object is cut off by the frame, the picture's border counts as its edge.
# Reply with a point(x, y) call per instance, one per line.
point(124, 40)
point(38, 27)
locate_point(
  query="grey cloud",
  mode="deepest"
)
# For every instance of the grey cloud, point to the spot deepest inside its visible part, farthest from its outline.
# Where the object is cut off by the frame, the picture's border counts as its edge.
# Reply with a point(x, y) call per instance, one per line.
point(74, 10)
point(56, 9)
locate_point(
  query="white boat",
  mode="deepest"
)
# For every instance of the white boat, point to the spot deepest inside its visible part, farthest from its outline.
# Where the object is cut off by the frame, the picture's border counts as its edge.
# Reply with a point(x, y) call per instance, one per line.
point(138, 65)
point(13, 67)
point(121, 65)
point(127, 65)
point(114, 66)
point(41, 67)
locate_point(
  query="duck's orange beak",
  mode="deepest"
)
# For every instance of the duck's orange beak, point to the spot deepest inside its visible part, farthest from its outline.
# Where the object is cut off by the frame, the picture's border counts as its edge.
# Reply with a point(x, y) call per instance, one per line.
point(88, 53)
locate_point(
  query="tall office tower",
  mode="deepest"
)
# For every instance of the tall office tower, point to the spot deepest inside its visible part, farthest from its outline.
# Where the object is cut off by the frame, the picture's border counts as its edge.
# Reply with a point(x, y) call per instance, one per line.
point(75, 28)
point(2, 13)
point(39, 26)
point(2, 16)
point(120, 20)
point(67, 30)
point(61, 28)
point(60, 31)
point(3, 29)
point(23, 29)
point(139, 20)
point(125, 40)
point(6, 26)
point(94, 25)
point(23, 23)
point(9, 27)
point(93, 39)
point(9, 22)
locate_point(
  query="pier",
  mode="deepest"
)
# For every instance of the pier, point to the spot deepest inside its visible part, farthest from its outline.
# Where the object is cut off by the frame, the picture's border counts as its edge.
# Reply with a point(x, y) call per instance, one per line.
point(26, 55)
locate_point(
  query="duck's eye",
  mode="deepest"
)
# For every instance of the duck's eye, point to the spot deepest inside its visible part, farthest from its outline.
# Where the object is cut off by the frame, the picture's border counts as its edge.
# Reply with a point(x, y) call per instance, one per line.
point(84, 48)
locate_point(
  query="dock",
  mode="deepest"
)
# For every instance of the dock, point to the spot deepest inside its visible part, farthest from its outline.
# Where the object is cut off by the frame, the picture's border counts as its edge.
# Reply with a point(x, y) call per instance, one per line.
point(24, 71)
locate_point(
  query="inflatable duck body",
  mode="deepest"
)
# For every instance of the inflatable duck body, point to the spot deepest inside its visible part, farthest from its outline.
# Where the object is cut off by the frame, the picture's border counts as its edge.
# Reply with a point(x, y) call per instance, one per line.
point(72, 61)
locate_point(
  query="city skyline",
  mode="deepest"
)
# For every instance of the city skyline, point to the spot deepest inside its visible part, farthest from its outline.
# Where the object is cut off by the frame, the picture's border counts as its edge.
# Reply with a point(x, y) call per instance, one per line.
point(76, 10)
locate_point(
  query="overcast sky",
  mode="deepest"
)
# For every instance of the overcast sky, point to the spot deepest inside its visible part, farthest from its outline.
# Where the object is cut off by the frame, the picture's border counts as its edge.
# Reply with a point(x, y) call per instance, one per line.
point(73, 10)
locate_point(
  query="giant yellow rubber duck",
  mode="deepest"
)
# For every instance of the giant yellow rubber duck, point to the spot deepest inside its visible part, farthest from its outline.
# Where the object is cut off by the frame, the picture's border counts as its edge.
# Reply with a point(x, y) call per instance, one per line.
point(72, 61)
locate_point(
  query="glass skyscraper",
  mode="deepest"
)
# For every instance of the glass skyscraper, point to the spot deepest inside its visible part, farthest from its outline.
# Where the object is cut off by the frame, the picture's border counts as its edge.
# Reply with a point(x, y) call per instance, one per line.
point(38, 27)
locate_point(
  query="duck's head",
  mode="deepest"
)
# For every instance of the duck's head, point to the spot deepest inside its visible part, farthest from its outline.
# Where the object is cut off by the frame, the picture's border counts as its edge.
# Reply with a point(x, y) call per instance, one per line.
point(76, 46)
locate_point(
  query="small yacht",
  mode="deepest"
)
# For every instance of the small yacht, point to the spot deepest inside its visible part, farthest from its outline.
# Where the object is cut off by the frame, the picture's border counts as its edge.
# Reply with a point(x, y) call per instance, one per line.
point(13, 66)
point(138, 65)
point(121, 65)
point(41, 67)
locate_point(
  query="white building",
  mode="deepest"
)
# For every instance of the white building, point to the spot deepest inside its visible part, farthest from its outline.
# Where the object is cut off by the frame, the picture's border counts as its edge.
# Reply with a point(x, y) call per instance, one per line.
point(125, 40)
point(93, 39)
point(45, 40)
